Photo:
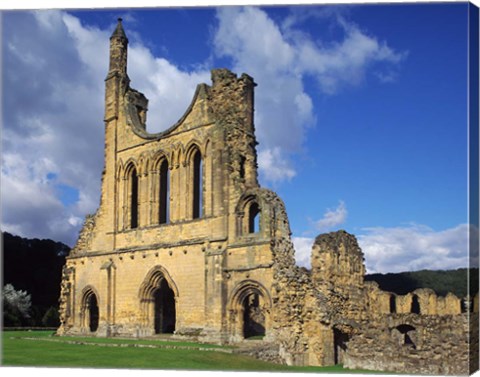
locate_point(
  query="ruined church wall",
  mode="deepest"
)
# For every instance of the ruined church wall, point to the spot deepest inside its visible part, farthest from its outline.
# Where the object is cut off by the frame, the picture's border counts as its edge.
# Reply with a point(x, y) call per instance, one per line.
point(437, 345)
point(206, 258)
point(120, 303)
point(423, 301)
point(419, 332)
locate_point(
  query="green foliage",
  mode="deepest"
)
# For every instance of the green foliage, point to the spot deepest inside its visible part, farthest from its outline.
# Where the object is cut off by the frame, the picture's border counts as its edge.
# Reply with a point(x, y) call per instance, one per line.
point(441, 282)
point(34, 266)
point(17, 306)
point(51, 318)
point(11, 316)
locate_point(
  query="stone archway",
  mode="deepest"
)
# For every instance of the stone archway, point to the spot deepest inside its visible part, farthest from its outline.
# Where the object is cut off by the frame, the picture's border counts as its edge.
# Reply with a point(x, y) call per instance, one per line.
point(405, 335)
point(90, 312)
point(249, 310)
point(158, 303)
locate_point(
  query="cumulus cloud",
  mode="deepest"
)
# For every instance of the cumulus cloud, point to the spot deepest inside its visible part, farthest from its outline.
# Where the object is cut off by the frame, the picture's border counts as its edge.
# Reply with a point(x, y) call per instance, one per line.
point(256, 45)
point(303, 250)
point(414, 247)
point(54, 71)
point(52, 126)
point(53, 117)
point(169, 89)
point(274, 166)
point(408, 248)
point(280, 57)
point(332, 218)
point(345, 62)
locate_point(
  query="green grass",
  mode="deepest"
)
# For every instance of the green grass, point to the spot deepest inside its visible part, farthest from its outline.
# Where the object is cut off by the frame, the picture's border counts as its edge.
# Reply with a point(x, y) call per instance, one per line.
point(60, 353)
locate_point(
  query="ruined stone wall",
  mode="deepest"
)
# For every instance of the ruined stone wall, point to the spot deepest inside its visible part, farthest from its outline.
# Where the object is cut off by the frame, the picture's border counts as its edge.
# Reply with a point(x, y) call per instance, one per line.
point(409, 343)
point(419, 332)
point(338, 272)
point(206, 246)
point(329, 316)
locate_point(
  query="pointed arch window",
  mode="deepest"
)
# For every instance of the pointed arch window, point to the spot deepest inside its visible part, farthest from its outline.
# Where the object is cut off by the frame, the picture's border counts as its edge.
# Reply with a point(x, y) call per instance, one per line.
point(393, 304)
point(254, 218)
point(415, 306)
point(133, 180)
point(197, 185)
point(164, 194)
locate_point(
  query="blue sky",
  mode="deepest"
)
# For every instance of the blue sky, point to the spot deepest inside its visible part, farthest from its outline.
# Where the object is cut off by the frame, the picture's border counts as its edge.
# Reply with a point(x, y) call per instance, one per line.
point(361, 115)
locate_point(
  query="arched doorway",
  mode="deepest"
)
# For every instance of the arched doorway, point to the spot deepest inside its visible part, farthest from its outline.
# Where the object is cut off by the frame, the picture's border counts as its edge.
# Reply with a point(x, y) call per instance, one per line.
point(158, 300)
point(249, 310)
point(253, 317)
point(89, 311)
point(92, 313)
point(164, 308)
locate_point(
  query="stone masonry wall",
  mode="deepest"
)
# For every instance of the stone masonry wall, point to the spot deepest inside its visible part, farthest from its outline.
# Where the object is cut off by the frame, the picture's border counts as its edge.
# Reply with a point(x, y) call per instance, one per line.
point(409, 343)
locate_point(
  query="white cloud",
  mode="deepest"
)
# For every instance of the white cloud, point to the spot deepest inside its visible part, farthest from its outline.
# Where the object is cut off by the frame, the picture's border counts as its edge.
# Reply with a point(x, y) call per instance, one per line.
point(409, 248)
point(280, 57)
point(414, 247)
point(54, 71)
point(303, 250)
point(53, 119)
point(332, 218)
point(273, 165)
point(344, 63)
point(283, 109)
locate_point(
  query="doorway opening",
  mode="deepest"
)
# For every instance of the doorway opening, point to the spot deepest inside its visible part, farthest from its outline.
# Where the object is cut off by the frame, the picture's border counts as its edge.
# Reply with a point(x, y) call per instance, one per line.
point(340, 340)
point(253, 317)
point(164, 307)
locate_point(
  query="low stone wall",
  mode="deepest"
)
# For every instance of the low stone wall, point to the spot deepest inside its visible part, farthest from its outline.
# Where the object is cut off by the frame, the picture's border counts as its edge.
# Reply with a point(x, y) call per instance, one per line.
point(412, 343)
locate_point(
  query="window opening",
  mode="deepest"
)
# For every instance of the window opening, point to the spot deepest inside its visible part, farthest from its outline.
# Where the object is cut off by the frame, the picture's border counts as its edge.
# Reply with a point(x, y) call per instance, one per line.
point(407, 332)
point(254, 218)
point(415, 308)
point(242, 167)
point(134, 200)
point(197, 185)
point(393, 304)
point(164, 194)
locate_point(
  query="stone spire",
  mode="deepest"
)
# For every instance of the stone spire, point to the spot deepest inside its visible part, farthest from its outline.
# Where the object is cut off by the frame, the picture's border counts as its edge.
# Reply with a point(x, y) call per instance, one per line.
point(118, 51)
point(119, 32)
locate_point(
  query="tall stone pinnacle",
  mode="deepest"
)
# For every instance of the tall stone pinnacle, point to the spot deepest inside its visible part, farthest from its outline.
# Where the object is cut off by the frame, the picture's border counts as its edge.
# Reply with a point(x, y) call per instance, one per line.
point(119, 32)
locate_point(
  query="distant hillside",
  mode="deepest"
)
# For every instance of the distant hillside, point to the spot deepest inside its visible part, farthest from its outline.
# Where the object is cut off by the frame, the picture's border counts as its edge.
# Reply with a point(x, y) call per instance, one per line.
point(35, 266)
point(441, 282)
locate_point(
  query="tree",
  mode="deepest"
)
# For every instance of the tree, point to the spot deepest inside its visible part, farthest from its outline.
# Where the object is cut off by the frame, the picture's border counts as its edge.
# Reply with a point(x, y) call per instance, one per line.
point(51, 319)
point(17, 305)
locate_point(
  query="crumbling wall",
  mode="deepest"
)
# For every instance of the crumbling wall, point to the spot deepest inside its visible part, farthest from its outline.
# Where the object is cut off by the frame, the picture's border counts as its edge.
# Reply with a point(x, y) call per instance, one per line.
point(411, 343)
point(330, 315)
point(338, 272)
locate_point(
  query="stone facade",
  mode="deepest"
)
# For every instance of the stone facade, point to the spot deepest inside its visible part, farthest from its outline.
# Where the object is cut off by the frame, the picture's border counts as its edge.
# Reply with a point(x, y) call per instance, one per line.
point(185, 241)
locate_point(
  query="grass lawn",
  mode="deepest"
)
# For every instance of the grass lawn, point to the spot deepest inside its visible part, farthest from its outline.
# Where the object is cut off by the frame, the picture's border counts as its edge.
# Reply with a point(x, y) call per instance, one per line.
point(48, 351)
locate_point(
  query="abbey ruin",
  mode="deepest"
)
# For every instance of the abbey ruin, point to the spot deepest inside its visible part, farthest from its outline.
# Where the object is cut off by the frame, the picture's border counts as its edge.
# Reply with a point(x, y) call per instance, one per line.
point(186, 242)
